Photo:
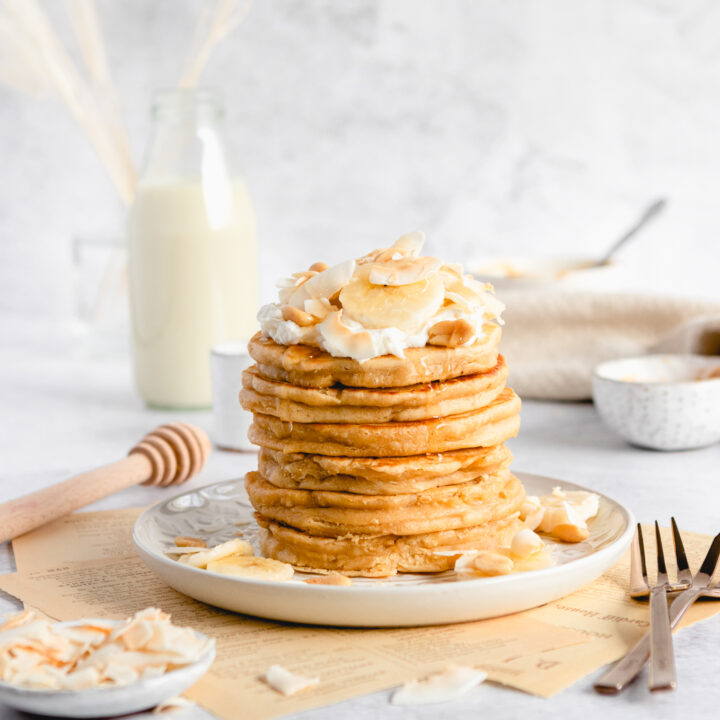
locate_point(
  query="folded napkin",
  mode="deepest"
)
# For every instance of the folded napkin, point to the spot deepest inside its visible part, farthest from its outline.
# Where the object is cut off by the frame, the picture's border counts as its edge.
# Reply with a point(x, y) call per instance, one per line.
point(553, 340)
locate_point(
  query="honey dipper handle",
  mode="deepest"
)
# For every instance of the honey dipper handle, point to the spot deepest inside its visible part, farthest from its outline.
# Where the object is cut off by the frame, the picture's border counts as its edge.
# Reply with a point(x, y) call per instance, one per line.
point(31, 511)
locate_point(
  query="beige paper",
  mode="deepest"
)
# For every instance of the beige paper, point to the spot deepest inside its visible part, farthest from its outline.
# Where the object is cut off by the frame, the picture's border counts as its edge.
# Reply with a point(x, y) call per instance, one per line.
point(540, 651)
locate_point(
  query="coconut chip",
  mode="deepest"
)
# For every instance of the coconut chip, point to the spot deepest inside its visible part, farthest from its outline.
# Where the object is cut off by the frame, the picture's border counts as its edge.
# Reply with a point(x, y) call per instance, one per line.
point(44, 655)
point(286, 682)
point(450, 683)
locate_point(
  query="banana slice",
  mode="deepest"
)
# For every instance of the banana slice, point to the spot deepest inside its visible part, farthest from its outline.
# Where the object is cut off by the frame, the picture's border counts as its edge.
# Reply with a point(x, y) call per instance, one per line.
point(252, 567)
point(404, 271)
point(379, 306)
point(231, 547)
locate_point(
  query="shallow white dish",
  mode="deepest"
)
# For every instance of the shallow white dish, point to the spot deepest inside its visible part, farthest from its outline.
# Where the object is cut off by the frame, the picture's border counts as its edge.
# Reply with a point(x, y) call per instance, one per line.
point(537, 272)
point(214, 512)
point(656, 401)
point(110, 701)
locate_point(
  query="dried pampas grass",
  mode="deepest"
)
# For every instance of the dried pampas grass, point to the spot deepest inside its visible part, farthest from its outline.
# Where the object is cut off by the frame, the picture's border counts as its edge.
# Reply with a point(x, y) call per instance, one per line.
point(34, 61)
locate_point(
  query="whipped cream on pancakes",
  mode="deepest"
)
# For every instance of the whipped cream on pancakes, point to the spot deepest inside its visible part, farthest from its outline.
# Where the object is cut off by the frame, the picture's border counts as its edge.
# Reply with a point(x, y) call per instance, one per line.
point(381, 304)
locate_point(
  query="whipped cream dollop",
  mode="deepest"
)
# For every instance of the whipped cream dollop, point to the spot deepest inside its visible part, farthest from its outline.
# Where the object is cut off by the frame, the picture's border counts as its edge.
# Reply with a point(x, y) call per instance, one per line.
point(381, 304)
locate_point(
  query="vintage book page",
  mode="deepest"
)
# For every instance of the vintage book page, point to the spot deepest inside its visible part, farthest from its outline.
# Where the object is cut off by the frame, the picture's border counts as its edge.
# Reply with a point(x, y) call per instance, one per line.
point(540, 651)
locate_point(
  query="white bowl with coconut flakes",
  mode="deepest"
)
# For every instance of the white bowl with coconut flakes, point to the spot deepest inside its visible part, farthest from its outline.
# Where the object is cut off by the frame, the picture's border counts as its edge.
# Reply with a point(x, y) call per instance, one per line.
point(59, 694)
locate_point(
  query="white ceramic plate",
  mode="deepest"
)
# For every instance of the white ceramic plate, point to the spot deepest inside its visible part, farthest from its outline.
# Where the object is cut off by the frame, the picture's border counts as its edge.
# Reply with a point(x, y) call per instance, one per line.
point(217, 512)
point(104, 702)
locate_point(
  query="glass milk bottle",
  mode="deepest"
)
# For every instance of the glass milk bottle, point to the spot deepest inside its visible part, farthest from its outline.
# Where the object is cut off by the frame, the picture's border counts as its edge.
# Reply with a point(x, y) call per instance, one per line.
point(192, 249)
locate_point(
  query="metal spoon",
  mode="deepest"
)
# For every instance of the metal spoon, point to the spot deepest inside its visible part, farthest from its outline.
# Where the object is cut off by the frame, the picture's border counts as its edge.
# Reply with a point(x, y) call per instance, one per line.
point(650, 212)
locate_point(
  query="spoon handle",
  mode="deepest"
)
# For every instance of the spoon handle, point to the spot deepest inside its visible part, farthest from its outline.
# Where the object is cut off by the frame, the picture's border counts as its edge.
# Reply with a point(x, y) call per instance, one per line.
point(650, 212)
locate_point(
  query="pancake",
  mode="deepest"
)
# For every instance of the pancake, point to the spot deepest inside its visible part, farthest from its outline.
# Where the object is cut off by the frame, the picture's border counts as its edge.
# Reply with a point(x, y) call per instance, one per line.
point(360, 405)
point(380, 476)
point(382, 555)
point(488, 426)
point(335, 514)
point(311, 367)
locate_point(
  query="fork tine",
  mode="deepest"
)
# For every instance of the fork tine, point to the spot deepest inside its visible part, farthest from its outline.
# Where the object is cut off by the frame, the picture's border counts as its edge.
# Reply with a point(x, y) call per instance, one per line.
point(711, 559)
point(684, 573)
point(641, 547)
point(638, 584)
point(662, 570)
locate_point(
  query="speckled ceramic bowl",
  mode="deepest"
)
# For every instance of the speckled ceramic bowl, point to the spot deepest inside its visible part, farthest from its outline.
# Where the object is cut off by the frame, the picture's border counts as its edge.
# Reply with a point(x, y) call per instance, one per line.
point(664, 402)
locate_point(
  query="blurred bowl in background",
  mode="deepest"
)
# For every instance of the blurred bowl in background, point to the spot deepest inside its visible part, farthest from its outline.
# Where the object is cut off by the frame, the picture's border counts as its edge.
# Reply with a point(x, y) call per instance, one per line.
point(534, 272)
point(663, 402)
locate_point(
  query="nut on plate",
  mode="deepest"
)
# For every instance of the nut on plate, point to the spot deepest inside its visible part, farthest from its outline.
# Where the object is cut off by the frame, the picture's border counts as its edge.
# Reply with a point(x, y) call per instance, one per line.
point(526, 543)
point(299, 317)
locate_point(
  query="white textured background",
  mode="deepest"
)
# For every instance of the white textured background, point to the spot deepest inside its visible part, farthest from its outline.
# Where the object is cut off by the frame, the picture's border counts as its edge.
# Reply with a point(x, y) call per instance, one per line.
point(494, 126)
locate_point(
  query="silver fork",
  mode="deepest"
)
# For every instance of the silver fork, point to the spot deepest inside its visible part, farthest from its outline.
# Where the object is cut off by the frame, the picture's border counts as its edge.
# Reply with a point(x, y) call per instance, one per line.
point(627, 668)
point(662, 674)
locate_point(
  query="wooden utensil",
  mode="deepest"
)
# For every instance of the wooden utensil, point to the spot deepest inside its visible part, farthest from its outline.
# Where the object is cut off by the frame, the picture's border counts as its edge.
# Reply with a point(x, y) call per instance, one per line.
point(169, 455)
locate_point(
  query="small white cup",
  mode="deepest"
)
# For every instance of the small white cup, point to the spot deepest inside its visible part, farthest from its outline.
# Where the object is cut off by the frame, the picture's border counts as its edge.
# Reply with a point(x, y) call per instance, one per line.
point(230, 422)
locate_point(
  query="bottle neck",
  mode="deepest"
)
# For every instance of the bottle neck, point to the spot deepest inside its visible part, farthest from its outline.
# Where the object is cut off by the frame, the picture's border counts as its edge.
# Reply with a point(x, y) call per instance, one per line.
point(188, 139)
point(194, 106)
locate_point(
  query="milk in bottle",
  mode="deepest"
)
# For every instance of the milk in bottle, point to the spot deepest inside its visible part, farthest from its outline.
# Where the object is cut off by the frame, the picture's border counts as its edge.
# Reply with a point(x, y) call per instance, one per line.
point(192, 252)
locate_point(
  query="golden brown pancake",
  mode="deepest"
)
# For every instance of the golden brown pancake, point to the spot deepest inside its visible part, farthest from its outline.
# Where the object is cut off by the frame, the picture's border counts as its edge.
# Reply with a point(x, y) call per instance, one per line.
point(488, 426)
point(311, 367)
point(361, 405)
point(335, 514)
point(381, 476)
point(382, 555)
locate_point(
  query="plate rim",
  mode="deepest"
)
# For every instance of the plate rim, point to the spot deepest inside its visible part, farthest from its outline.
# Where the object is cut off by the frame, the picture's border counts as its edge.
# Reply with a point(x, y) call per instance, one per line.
point(380, 588)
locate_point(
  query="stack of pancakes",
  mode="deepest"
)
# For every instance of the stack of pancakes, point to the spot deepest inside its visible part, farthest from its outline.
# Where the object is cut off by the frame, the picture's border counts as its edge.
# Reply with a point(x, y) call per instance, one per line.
point(392, 464)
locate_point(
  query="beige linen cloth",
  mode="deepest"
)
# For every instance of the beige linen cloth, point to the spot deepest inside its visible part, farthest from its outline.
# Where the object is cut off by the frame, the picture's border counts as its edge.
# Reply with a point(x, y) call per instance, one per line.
point(553, 340)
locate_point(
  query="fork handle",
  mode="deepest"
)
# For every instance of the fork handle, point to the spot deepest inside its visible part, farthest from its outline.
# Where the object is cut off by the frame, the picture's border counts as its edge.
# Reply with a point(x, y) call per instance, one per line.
point(662, 657)
point(624, 671)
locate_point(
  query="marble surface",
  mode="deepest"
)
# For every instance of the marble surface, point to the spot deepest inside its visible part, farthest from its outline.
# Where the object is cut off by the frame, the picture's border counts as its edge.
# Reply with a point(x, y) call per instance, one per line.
point(496, 127)
point(66, 408)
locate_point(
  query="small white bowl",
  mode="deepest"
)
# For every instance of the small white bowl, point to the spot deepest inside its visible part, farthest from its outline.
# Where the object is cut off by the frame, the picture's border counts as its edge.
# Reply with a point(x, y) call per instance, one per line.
point(659, 402)
point(528, 272)
point(107, 701)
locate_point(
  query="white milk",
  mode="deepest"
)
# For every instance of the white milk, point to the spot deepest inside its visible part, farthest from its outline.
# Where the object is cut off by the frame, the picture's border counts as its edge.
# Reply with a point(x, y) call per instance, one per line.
point(193, 283)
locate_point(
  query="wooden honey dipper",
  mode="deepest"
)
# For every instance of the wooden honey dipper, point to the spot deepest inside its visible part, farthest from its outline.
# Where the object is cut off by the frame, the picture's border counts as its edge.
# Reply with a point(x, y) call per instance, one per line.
point(169, 455)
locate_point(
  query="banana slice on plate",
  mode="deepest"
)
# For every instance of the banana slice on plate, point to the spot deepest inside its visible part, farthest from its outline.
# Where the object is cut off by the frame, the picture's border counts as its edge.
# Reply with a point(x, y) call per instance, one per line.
point(247, 566)
point(401, 306)
point(201, 559)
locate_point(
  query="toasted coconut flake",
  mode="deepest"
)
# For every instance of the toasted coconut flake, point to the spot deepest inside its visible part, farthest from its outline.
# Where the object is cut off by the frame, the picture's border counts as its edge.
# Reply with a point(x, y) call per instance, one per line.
point(50, 656)
point(175, 703)
point(446, 685)
point(286, 682)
